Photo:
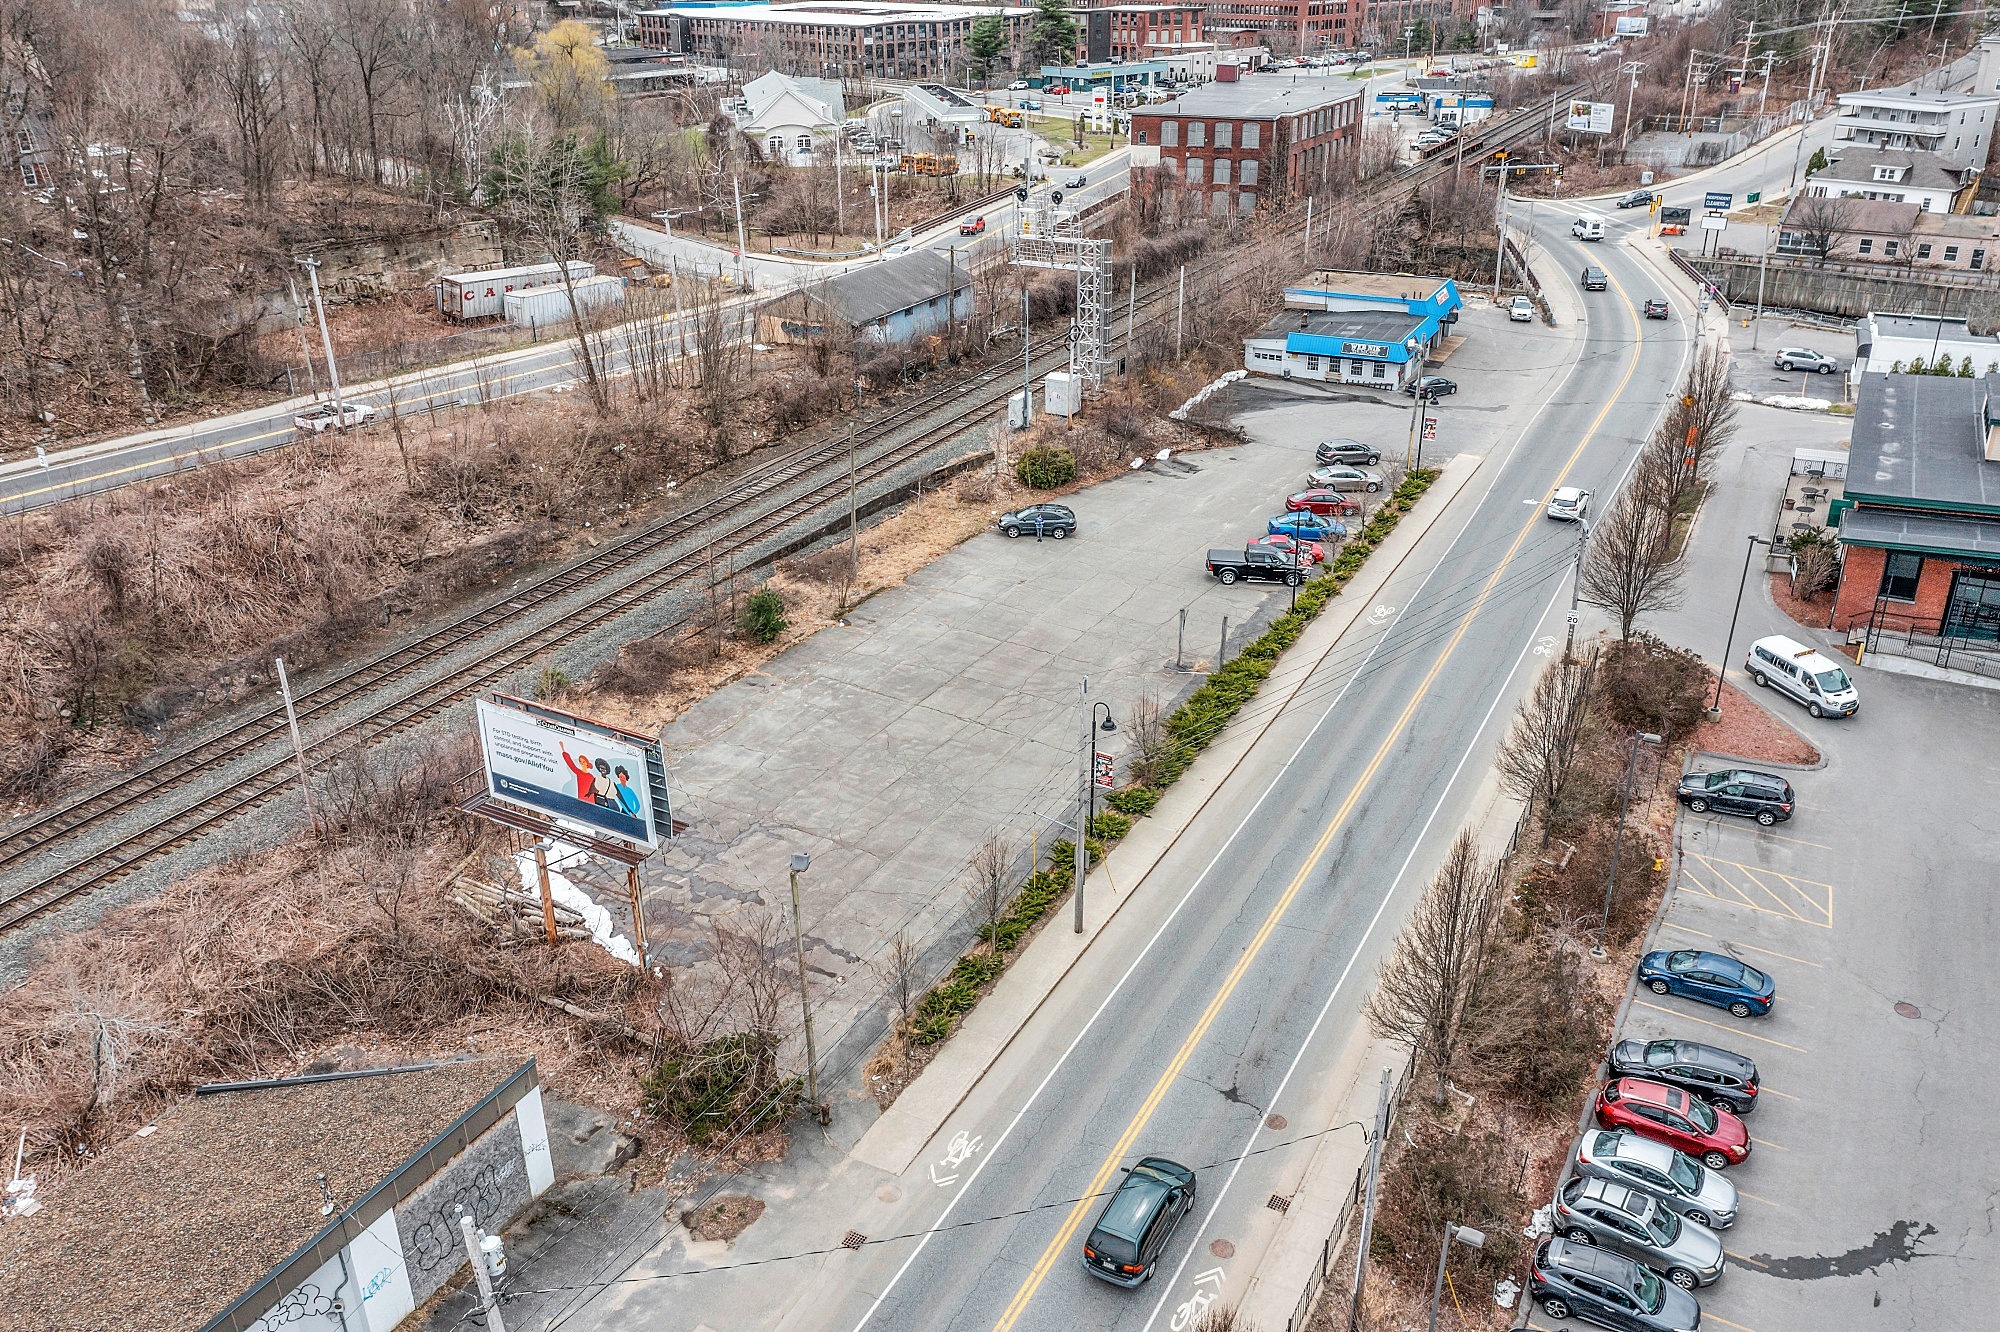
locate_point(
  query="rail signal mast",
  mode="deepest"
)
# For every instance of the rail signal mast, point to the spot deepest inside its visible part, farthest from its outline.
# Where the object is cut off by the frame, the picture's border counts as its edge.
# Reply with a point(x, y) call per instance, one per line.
point(1051, 236)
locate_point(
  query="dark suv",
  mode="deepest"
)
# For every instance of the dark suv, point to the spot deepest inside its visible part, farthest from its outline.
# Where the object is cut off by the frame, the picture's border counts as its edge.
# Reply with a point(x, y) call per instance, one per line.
point(1133, 1229)
point(1762, 796)
point(1350, 451)
point(1049, 520)
point(1719, 1077)
point(1594, 279)
point(1598, 1287)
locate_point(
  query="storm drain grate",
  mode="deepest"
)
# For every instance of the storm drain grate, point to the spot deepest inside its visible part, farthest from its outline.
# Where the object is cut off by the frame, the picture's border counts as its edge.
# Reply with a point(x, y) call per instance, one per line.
point(1278, 1203)
point(853, 1239)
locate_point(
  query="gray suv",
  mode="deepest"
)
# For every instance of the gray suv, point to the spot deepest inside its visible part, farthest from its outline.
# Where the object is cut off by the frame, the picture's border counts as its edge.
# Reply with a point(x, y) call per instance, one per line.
point(1350, 451)
point(1624, 1220)
point(1805, 358)
point(1683, 1184)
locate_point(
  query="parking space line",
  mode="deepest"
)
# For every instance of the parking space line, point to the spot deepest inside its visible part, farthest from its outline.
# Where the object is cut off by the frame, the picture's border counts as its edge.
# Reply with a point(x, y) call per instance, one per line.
point(1675, 925)
point(1744, 1258)
point(1754, 1198)
point(1719, 1027)
point(1762, 1090)
point(1809, 900)
point(1772, 1145)
point(1717, 1318)
point(1761, 835)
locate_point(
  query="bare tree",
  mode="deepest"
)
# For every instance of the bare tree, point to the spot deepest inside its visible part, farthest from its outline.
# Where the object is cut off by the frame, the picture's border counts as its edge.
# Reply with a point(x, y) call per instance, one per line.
point(1540, 752)
point(1429, 993)
point(1152, 744)
point(1629, 566)
point(719, 357)
point(545, 185)
point(1821, 222)
point(900, 968)
point(993, 883)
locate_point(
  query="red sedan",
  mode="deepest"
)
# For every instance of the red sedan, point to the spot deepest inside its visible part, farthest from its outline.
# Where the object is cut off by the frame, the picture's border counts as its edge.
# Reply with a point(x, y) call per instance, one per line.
point(1310, 552)
point(1329, 502)
point(1714, 1137)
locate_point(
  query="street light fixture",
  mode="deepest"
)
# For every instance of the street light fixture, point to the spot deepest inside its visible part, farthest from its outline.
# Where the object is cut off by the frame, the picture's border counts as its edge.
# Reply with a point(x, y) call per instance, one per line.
point(1107, 726)
point(801, 861)
point(1466, 1235)
point(1729, 643)
point(1611, 880)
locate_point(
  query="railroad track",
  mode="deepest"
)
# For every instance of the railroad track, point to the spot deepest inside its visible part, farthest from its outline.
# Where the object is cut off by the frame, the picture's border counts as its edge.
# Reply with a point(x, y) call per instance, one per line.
point(505, 634)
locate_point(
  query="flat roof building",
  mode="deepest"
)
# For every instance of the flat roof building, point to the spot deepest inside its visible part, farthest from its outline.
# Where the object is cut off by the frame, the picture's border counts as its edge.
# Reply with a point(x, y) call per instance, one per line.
point(1957, 125)
point(831, 38)
point(1225, 147)
point(1367, 348)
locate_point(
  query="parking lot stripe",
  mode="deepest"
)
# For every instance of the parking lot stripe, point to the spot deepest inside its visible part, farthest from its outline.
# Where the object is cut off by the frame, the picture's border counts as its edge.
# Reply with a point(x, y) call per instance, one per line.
point(1675, 925)
point(1772, 1145)
point(1719, 1027)
point(1733, 881)
point(1742, 1258)
point(1762, 1090)
point(1754, 1198)
point(1760, 835)
point(1717, 1318)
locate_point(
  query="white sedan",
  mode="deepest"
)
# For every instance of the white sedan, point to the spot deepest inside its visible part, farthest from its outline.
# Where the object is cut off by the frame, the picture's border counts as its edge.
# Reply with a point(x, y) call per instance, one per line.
point(326, 416)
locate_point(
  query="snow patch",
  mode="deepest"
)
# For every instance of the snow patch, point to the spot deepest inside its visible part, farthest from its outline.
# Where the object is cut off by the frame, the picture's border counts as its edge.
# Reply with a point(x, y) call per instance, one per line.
point(1788, 401)
point(1181, 413)
point(595, 918)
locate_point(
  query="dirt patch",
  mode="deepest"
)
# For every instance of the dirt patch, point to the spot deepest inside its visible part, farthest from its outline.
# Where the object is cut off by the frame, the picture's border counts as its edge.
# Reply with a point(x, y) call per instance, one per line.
point(1748, 731)
point(1811, 612)
point(898, 1062)
point(723, 1218)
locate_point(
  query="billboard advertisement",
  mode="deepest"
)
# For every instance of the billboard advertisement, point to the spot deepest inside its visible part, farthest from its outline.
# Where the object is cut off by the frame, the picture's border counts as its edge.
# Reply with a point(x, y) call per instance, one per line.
point(1589, 117)
point(573, 773)
point(1633, 27)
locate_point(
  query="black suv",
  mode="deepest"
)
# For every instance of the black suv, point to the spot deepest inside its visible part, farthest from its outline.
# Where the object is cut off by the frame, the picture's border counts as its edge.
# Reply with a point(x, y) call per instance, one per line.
point(1133, 1229)
point(1762, 796)
point(1636, 199)
point(1594, 279)
point(1602, 1288)
point(1350, 451)
point(1049, 520)
point(1719, 1077)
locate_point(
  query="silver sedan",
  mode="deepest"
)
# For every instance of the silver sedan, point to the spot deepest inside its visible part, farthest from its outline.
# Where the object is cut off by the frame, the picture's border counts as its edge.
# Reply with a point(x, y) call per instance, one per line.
point(1686, 1187)
point(1343, 478)
point(1624, 1220)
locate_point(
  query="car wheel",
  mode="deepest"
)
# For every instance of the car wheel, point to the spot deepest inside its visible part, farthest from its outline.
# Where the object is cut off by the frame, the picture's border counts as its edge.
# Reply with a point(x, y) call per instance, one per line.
point(1714, 1160)
point(1758, 676)
point(1373, 487)
point(1815, 709)
point(1658, 986)
point(1011, 531)
point(1683, 1278)
point(1784, 365)
point(1291, 580)
point(1766, 817)
point(1738, 1009)
point(1057, 534)
point(1579, 1236)
point(1698, 805)
point(1700, 1218)
point(1227, 576)
point(1826, 369)
point(1555, 1308)
point(1374, 458)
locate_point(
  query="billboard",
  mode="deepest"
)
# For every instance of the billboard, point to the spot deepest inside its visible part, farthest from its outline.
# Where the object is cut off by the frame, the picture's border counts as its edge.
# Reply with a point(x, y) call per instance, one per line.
point(1633, 27)
point(576, 773)
point(1589, 117)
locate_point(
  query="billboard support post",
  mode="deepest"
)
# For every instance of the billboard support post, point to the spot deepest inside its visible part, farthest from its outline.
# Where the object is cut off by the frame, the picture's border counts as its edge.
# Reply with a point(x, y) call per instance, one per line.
point(638, 915)
point(548, 898)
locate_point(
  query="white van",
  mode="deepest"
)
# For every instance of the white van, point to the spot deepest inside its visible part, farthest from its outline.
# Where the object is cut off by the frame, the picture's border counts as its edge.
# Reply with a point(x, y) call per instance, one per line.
point(1587, 228)
point(1809, 677)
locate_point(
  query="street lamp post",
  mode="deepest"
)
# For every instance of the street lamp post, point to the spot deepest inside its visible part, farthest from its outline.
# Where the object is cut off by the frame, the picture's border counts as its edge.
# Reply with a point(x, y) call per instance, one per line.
point(1576, 584)
point(1729, 643)
point(1466, 1235)
point(1107, 726)
point(800, 862)
point(1080, 855)
point(1611, 879)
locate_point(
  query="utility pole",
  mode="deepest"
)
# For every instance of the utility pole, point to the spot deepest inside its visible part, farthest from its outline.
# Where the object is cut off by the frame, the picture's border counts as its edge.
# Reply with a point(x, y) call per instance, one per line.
point(853, 523)
point(742, 242)
point(839, 194)
point(1305, 250)
point(487, 1304)
point(800, 862)
point(1375, 1142)
point(299, 322)
point(1576, 586)
point(1131, 306)
point(1083, 802)
point(1027, 371)
point(311, 264)
point(548, 897)
point(298, 748)
point(1500, 227)
point(1632, 68)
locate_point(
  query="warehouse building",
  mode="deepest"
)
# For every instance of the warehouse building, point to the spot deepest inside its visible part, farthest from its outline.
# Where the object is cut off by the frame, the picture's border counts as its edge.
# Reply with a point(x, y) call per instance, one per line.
point(898, 300)
point(884, 39)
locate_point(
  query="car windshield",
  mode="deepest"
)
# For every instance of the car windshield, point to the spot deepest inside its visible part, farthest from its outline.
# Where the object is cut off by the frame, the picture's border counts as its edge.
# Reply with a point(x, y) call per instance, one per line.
point(1833, 681)
point(1682, 961)
point(1665, 1226)
point(1652, 1292)
point(1753, 979)
point(1659, 1053)
point(1685, 1173)
point(1702, 1114)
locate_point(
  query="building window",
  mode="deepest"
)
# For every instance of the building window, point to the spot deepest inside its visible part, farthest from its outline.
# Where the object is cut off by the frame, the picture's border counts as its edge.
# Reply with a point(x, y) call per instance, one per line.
point(1885, 173)
point(1250, 134)
point(1222, 135)
point(1195, 170)
point(1864, 247)
point(1246, 204)
point(1248, 174)
point(1900, 574)
point(1142, 136)
point(1221, 171)
point(1170, 134)
point(1924, 250)
point(1381, 369)
point(1951, 254)
point(1889, 249)
point(31, 175)
point(805, 143)
point(1220, 206)
point(1978, 259)
point(775, 145)
point(1197, 134)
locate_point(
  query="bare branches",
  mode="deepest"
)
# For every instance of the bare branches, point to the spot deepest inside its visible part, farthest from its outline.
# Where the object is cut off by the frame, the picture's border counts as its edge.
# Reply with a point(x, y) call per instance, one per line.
point(1540, 752)
point(1629, 568)
point(993, 880)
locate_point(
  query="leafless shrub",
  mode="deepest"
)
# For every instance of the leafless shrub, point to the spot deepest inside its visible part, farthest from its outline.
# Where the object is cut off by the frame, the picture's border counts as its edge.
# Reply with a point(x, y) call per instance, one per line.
point(1536, 758)
point(1629, 567)
point(993, 880)
point(398, 796)
point(1152, 744)
point(900, 968)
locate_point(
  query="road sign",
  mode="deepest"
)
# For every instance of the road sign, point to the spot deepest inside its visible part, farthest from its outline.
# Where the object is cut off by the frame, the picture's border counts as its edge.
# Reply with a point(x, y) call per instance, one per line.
point(1075, 335)
point(1715, 201)
point(1430, 429)
point(1713, 222)
point(1100, 771)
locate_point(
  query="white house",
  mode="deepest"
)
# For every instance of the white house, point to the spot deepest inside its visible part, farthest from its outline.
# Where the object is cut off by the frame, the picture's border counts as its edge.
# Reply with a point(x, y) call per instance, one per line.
point(1930, 181)
point(1957, 125)
point(787, 116)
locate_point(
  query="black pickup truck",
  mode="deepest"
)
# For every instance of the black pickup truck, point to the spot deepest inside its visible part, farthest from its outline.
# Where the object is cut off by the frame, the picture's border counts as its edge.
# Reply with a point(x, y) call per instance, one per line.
point(1257, 562)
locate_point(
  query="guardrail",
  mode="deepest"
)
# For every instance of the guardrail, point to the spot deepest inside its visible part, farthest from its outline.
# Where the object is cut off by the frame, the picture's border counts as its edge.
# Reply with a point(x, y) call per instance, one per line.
point(1701, 279)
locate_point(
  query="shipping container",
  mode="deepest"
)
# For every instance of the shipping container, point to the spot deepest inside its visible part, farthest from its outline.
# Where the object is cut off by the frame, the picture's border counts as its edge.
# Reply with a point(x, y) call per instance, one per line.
point(477, 295)
point(547, 306)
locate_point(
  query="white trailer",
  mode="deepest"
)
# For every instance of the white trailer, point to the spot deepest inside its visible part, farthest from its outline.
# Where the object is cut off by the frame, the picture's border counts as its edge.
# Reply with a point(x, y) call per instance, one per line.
point(546, 306)
point(477, 295)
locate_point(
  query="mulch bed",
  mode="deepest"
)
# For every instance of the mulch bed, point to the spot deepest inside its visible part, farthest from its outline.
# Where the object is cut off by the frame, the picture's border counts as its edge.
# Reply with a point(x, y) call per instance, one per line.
point(1813, 613)
point(1747, 730)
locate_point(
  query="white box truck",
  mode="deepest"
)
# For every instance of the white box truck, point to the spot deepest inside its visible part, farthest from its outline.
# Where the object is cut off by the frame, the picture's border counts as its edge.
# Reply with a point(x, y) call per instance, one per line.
point(541, 307)
point(477, 295)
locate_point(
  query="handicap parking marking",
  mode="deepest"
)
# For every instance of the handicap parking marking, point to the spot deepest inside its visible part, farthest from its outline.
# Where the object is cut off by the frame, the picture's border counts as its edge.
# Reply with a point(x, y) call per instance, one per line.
point(1738, 1031)
point(1802, 899)
point(1728, 944)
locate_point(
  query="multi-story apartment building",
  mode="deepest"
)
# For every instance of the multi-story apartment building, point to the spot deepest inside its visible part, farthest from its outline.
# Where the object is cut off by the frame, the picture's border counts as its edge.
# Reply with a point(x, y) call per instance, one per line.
point(884, 39)
point(1295, 25)
point(1113, 31)
point(1231, 144)
point(1957, 125)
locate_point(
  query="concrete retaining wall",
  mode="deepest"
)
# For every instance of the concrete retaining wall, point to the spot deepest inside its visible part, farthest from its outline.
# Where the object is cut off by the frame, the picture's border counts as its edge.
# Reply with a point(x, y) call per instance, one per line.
point(1832, 292)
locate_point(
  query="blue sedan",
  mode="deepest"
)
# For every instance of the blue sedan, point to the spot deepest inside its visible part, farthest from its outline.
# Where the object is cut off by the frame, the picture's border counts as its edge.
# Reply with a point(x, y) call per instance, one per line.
point(1711, 978)
point(1306, 527)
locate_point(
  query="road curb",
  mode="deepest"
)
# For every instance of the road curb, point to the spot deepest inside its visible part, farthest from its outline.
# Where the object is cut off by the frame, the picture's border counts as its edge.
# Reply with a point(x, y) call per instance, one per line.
point(897, 1138)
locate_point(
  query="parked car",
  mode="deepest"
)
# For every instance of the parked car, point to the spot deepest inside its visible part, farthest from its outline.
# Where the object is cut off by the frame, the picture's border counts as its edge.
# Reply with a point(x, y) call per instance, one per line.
point(1018, 85)
point(1804, 674)
point(1335, 477)
point(1431, 386)
point(326, 416)
point(1039, 520)
point(1711, 978)
point(1666, 1114)
point(1720, 1077)
point(1350, 451)
point(1310, 552)
point(1135, 1227)
point(1763, 796)
point(1636, 199)
point(1568, 504)
point(1628, 1222)
point(1030, 104)
point(1594, 279)
point(1320, 500)
point(1059, 90)
point(1805, 358)
point(1254, 561)
point(972, 226)
point(1657, 1170)
point(1655, 308)
point(1076, 182)
point(1520, 310)
point(1608, 1290)
point(1306, 527)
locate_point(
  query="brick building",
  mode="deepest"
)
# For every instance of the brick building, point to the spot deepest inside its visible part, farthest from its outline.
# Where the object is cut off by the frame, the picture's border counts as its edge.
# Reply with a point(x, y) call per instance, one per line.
point(1295, 25)
point(1232, 144)
point(1134, 32)
point(832, 38)
point(1920, 520)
